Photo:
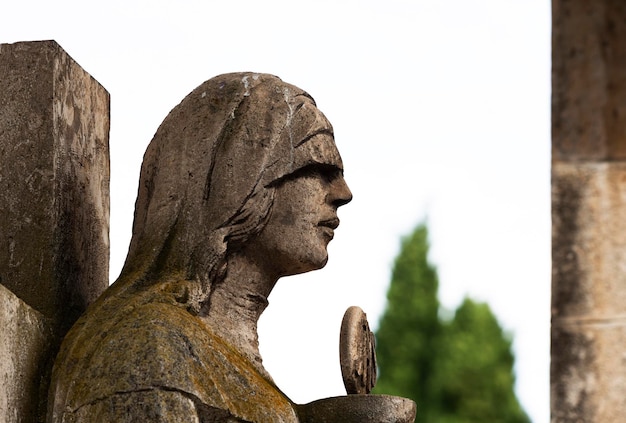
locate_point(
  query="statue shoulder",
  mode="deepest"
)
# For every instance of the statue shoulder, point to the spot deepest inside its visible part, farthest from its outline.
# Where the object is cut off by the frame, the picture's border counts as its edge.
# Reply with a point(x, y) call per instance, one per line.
point(168, 349)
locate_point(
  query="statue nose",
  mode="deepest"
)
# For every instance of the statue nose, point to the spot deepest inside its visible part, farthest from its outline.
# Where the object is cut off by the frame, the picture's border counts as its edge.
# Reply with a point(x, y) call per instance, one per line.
point(340, 192)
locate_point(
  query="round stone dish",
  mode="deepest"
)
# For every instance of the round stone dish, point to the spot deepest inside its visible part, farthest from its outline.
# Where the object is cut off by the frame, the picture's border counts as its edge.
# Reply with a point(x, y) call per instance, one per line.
point(359, 409)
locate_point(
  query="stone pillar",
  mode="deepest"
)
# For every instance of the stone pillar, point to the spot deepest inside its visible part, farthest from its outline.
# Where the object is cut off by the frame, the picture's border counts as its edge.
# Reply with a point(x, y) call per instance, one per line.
point(54, 204)
point(588, 357)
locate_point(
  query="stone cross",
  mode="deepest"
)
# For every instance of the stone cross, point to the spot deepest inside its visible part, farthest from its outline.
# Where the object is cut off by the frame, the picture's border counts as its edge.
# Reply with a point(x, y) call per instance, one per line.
point(54, 213)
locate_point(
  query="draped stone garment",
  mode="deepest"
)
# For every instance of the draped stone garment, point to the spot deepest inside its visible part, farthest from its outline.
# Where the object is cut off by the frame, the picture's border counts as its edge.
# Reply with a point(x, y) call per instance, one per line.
point(159, 363)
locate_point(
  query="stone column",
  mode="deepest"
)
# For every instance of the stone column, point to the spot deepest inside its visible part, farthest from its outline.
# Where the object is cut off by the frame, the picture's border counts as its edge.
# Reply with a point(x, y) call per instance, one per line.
point(588, 358)
point(54, 211)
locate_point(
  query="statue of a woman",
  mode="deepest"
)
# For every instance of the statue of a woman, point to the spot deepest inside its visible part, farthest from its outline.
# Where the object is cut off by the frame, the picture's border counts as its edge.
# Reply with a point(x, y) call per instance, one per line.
point(239, 187)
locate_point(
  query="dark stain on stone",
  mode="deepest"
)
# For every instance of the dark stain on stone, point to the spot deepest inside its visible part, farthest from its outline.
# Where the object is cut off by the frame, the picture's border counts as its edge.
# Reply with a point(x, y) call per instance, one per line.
point(572, 357)
point(567, 291)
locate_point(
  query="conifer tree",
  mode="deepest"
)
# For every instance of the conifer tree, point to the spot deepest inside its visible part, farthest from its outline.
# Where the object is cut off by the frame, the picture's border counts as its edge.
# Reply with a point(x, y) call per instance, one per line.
point(458, 371)
point(473, 372)
point(410, 328)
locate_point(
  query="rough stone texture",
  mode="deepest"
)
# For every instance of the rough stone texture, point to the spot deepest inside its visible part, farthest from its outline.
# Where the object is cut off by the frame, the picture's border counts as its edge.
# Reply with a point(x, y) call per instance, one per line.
point(25, 336)
point(588, 369)
point(588, 80)
point(359, 409)
point(357, 352)
point(54, 210)
point(54, 180)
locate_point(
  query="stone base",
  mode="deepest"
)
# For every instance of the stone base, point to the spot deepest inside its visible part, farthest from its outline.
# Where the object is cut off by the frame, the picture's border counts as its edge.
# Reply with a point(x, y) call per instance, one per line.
point(26, 340)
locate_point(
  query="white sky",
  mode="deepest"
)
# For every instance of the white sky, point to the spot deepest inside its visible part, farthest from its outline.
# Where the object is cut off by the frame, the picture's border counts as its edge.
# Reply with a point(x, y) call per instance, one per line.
point(441, 111)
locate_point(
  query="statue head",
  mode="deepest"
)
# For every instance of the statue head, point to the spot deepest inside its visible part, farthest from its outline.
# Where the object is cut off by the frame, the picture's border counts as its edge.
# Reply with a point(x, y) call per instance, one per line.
point(222, 166)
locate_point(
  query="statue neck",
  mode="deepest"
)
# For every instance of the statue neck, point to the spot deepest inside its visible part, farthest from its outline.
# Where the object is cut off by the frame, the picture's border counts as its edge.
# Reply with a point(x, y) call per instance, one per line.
point(236, 303)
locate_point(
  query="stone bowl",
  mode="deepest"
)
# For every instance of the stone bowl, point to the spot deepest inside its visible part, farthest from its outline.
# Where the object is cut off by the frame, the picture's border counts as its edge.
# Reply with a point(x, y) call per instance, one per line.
point(359, 409)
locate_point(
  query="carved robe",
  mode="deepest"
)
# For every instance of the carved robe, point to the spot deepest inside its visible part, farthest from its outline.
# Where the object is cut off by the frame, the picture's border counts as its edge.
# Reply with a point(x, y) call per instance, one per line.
point(174, 369)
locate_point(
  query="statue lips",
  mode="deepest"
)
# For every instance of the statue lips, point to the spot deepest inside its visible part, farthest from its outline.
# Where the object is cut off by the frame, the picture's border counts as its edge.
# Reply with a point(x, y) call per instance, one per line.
point(329, 226)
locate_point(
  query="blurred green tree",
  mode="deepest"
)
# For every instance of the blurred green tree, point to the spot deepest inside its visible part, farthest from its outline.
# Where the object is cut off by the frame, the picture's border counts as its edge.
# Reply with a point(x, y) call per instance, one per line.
point(410, 328)
point(458, 371)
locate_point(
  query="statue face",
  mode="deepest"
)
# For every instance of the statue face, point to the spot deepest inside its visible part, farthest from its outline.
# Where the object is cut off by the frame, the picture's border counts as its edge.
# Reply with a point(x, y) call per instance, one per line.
point(302, 221)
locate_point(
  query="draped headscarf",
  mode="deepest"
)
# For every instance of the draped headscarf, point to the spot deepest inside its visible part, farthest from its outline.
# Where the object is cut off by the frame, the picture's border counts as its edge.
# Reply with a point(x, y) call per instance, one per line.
point(208, 175)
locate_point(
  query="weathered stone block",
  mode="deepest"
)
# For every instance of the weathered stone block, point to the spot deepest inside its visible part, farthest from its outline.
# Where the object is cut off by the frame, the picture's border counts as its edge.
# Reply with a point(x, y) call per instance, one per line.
point(54, 180)
point(588, 80)
point(588, 367)
point(588, 239)
point(25, 336)
point(588, 370)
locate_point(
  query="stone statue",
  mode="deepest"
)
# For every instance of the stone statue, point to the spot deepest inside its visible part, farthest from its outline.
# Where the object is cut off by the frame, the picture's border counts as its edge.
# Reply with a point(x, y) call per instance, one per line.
point(239, 187)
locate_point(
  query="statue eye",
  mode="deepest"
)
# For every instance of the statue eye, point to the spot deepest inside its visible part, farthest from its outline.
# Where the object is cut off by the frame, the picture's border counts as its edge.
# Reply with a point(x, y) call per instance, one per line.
point(327, 173)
